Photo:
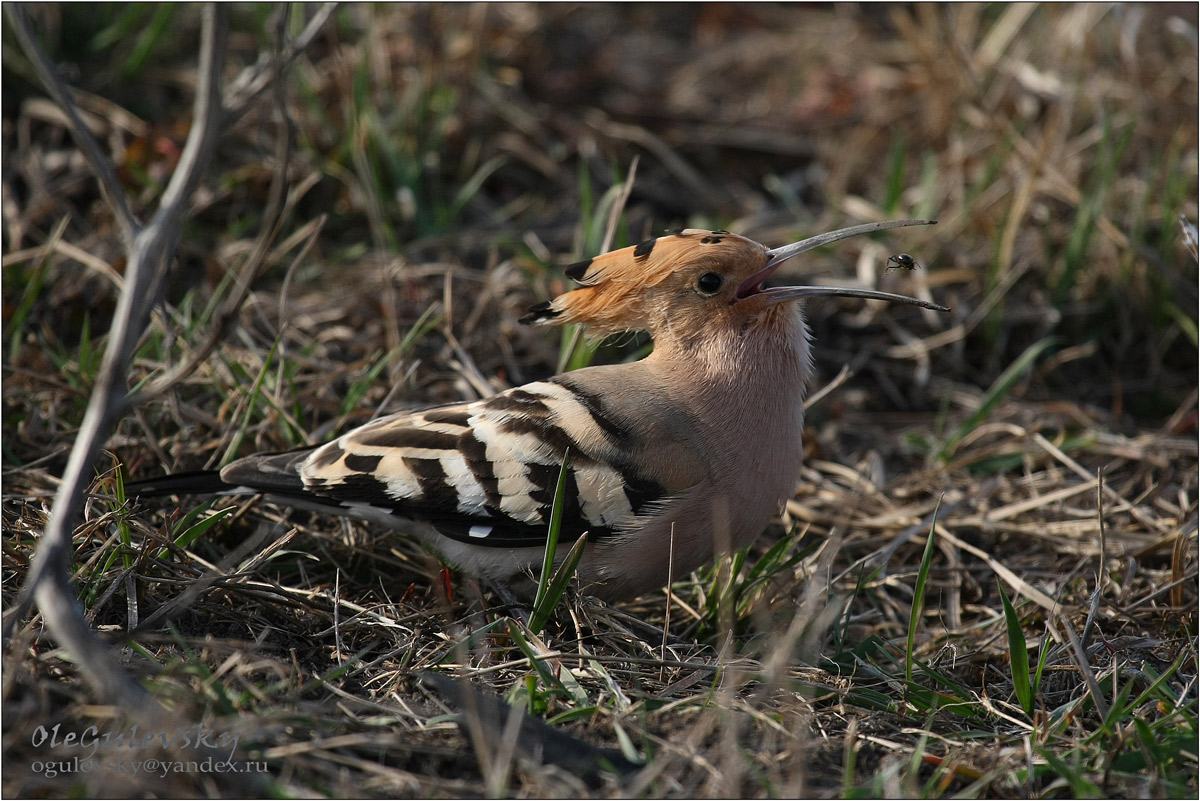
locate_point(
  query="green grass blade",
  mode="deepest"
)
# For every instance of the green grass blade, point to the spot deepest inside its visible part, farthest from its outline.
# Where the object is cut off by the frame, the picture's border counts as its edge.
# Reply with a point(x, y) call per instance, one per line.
point(535, 660)
point(126, 536)
point(1018, 653)
point(1186, 324)
point(196, 530)
point(998, 391)
point(896, 173)
point(150, 38)
point(252, 403)
point(543, 602)
point(417, 331)
point(1075, 776)
point(558, 585)
point(33, 289)
point(471, 188)
point(1043, 655)
point(576, 350)
point(352, 400)
point(918, 602)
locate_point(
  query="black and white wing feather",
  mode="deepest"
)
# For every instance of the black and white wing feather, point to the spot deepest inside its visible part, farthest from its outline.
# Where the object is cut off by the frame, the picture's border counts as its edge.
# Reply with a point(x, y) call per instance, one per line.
point(482, 473)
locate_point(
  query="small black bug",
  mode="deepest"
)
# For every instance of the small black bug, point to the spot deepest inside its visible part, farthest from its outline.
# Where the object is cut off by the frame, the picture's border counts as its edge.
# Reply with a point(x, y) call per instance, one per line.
point(903, 262)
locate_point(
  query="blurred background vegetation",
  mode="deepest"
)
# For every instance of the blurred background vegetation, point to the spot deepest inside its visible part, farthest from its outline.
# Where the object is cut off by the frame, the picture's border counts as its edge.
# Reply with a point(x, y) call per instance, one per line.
point(1057, 147)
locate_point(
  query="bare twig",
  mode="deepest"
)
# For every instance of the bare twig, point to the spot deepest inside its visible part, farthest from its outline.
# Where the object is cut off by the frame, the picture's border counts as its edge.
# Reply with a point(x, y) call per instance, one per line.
point(1085, 667)
point(272, 223)
point(614, 217)
point(255, 79)
point(1190, 237)
point(1100, 574)
point(149, 249)
point(842, 377)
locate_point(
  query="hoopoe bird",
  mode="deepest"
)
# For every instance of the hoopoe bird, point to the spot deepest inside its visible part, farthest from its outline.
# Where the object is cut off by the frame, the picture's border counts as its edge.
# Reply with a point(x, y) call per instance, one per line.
point(670, 460)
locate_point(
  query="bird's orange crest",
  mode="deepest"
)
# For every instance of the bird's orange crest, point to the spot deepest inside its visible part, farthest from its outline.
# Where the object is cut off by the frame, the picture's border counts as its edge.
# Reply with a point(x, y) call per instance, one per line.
point(613, 282)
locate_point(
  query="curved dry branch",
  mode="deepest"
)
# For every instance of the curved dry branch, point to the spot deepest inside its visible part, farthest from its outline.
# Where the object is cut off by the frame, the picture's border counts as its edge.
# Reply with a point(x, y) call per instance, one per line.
point(279, 205)
point(255, 79)
point(149, 250)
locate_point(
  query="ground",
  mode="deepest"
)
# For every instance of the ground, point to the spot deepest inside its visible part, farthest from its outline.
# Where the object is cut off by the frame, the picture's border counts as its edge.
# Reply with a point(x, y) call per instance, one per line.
point(986, 583)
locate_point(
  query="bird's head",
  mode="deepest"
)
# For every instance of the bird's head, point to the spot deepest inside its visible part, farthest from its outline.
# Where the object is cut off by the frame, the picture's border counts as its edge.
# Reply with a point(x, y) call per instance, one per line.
point(695, 281)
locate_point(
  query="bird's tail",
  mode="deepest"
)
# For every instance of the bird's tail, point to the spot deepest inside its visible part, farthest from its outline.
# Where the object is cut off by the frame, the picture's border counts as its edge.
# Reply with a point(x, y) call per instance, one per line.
point(198, 482)
point(271, 473)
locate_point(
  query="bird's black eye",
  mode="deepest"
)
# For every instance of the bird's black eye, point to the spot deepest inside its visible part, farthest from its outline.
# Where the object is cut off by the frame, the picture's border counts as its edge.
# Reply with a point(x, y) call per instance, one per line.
point(709, 283)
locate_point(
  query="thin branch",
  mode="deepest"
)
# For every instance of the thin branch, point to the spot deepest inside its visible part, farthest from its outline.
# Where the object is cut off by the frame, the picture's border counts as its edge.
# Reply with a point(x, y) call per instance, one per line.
point(1101, 573)
point(1085, 668)
point(255, 79)
point(207, 118)
point(149, 250)
point(273, 217)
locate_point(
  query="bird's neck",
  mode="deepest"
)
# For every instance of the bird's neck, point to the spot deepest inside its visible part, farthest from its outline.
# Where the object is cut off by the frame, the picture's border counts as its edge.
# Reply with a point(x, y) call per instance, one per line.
point(745, 390)
point(745, 387)
point(764, 360)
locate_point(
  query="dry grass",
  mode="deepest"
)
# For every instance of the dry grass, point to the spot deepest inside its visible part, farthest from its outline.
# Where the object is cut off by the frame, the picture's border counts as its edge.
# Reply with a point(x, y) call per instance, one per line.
point(447, 161)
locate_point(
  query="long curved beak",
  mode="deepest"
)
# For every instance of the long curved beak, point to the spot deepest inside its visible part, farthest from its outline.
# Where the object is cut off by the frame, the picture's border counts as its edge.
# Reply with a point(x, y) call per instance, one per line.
point(777, 256)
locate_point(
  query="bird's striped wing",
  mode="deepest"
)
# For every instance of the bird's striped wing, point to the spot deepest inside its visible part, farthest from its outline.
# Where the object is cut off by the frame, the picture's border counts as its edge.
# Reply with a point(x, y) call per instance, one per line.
point(483, 473)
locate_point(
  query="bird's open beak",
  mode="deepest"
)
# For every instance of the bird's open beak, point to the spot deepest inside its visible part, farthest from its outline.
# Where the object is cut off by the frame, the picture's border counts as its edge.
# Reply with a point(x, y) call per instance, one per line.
point(752, 286)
